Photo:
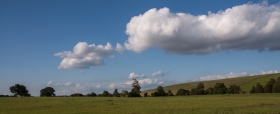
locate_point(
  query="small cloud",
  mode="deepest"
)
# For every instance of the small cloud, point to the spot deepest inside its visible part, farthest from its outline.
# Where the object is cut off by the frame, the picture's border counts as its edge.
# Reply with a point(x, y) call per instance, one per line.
point(158, 73)
point(133, 75)
point(98, 86)
point(49, 83)
point(67, 83)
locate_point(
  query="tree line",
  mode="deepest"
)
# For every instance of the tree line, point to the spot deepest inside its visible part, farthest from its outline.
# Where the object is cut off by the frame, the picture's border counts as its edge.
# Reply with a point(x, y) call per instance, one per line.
point(21, 91)
point(272, 86)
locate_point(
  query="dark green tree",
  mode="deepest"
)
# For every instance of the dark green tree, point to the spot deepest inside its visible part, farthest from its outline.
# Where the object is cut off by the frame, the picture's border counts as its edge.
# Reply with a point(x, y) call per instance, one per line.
point(182, 92)
point(269, 86)
point(199, 90)
point(160, 91)
point(253, 90)
point(193, 91)
point(124, 93)
point(234, 89)
point(105, 94)
point(92, 94)
point(47, 92)
point(169, 93)
point(116, 93)
point(145, 94)
point(76, 95)
point(135, 91)
point(276, 86)
point(19, 90)
point(259, 88)
point(210, 90)
point(220, 88)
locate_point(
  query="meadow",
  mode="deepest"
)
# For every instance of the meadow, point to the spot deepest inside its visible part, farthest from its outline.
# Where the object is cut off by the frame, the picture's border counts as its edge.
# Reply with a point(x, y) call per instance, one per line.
point(210, 104)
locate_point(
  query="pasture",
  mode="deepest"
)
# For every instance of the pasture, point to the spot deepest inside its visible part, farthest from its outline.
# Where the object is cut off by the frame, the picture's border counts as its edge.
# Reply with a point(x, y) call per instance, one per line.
point(210, 104)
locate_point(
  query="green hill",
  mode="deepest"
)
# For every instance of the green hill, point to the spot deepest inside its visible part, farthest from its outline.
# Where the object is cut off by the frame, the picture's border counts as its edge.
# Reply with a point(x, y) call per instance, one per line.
point(246, 83)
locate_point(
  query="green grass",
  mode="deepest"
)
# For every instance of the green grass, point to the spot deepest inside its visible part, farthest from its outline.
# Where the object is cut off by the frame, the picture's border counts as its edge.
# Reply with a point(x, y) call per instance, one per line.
point(210, 104)
point(246, 83)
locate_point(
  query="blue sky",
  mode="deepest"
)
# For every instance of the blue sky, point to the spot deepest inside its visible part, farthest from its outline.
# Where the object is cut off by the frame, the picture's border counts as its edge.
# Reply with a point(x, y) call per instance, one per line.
point(176, 42)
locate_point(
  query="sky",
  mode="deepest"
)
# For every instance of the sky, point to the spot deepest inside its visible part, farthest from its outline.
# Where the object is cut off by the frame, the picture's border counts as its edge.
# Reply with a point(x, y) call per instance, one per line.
point(96, 45)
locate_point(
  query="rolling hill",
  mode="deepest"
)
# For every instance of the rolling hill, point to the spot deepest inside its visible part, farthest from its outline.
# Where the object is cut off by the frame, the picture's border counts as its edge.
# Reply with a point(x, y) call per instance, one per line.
point(246, 83)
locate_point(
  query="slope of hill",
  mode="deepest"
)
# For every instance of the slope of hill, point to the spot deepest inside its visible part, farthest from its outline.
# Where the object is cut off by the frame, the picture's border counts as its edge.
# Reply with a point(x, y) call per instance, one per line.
point(246, 83)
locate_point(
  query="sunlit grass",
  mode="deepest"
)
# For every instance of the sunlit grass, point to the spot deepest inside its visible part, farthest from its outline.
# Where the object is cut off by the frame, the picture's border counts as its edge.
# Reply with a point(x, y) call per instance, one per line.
point(246, 103)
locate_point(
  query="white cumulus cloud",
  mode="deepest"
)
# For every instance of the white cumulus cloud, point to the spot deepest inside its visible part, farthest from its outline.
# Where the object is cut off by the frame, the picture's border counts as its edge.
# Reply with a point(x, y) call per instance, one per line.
point(243, 27)
point(133, 75)
point(84, 55)
point(158, 73)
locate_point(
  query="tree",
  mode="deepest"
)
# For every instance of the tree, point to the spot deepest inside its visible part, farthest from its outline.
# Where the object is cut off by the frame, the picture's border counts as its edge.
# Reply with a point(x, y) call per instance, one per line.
point(145, 94)
point(116, 93)
point(169, 93)
point(182, 92)
point(76, 95)
point(220, 88)
point(105, 94)
point(210, 90)
point(124, 93)
point(253, 89)
point(199, 89)
point(258, 88)
point(19, 90)
point(47, 92)
point(269, 86)
point(135, 91)
point(193, 91)
point(92, 94)
point(234, 89)
point(160, 91)
point(276, 86)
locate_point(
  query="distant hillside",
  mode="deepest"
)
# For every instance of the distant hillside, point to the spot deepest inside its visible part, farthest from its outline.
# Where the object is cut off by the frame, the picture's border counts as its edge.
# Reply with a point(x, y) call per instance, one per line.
point(246, 83)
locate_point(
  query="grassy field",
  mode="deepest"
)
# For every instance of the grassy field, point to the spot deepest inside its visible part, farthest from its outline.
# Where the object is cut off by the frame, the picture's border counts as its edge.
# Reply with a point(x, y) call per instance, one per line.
point(246, 83)
point(210, 104)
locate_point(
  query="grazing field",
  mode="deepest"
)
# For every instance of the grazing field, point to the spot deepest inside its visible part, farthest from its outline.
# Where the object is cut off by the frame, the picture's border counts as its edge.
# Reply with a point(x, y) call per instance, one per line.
point(246, 83)
point(245, 103)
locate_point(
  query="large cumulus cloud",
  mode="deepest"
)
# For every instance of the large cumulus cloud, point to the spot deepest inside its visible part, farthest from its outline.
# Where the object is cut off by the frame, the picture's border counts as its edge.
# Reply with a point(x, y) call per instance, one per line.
point(243, 27)
point(84, 55)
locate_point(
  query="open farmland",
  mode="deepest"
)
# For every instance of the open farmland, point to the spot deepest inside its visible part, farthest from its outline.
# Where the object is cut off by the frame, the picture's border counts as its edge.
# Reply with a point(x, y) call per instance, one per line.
point(245, 103)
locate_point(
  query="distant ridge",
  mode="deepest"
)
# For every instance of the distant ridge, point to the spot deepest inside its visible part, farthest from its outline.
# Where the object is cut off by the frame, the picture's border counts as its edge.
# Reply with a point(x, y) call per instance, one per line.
point(245, 82)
